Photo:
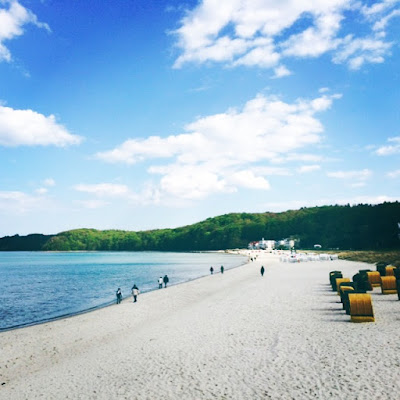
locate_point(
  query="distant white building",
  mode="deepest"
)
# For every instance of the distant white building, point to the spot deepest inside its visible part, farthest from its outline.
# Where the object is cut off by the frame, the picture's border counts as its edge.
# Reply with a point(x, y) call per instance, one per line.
point(287, 243)
point(262, 245)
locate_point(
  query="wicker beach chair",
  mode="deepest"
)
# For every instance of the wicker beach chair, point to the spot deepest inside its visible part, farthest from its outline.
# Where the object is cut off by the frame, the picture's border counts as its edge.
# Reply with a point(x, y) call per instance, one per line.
point(344, 289)
point(346, 301)
point(332, 278)
point(361, 307)
point(388, 285)
point(374, 278)
point(389, 270)
point(339, 281)
point(361, 281)
point(381, 267)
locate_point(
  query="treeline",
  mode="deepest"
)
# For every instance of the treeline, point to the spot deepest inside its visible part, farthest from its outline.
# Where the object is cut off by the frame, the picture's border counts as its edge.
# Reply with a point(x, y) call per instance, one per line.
point(361, 227)
point(31, 242)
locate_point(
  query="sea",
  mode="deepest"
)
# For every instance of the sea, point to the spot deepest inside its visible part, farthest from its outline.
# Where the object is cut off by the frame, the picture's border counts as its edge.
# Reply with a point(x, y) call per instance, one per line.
point(37, 287)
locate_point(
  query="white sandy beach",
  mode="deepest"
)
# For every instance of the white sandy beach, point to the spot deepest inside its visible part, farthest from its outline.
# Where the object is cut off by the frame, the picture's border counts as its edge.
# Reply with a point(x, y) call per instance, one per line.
point(231, 336)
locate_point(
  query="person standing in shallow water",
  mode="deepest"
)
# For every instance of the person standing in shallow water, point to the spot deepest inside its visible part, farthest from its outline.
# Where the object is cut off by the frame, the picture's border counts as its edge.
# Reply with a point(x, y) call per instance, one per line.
point(160, 281)
point(222, 269)
point(119, 295)
point(262, 270)
point(211, 270)
point(135, 293)
point(166, 280)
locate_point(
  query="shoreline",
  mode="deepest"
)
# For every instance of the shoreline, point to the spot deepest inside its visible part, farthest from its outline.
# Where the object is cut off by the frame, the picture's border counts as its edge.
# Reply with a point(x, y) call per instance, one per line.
point(126, 298)
point(231, 336)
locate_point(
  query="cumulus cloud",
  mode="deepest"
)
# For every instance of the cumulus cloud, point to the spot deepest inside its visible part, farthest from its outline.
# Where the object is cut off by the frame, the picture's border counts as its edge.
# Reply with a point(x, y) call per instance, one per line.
point(248, 179)
point(29, 128)
point(13, 17)
point(261, 33)
point(393, 148)
point(222, 152)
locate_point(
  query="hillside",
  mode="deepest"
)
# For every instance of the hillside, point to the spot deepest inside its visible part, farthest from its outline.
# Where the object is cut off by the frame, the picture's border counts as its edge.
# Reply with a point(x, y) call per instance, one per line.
point(361, 227)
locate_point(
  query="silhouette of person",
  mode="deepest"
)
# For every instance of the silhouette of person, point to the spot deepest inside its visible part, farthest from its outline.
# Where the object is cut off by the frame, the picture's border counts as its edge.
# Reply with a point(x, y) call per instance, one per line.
point(262, 270)
point(135, 293)
point(222, 269)
point(212, 270)
point(160, 282)
point(166, 280)
point(119, 295)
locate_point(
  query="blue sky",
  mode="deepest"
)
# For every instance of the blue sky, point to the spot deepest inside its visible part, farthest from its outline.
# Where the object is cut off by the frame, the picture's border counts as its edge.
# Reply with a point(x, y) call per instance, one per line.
point(143, 114)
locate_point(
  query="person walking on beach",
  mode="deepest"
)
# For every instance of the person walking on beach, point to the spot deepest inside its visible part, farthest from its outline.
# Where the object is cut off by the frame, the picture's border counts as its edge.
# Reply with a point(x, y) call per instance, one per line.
point(211, 270)
point(222, 269)
point(160, 281)
point(166, 280)
point(262, 270)
point(119, 295)
point(135, 293)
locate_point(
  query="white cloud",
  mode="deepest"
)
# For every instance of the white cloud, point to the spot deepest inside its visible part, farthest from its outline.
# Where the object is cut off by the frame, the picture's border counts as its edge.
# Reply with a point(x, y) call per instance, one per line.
point(308, 168)
point(46, 184)
point(357, 184)
point(221, 152)
point(103, 189)
point(263, 32)
point(248, 179)
point(29, 128)
point(378, 7)
point(394, 174)
point(315, 40)
point(271, 171)
point(357, 175)
point(304, 157)
point(192, 182)
point(265, 128)
point(384, 21)
point(92, 204)
point(41, 190)
point(356, 52)
point(49, 182)
point(391, 148)
point(13, 17)
point(17, 202)
point(281, 71)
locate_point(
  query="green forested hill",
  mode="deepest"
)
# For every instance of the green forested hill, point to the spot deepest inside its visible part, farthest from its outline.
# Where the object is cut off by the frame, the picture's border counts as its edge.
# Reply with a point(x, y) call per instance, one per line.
point(344, 227)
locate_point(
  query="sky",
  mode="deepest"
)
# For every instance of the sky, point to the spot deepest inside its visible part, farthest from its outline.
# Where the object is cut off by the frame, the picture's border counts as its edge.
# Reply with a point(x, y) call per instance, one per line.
point(145, 114)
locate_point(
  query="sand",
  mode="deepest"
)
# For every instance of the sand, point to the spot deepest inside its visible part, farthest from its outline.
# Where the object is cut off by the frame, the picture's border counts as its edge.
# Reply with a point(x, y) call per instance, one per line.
point(231, 336)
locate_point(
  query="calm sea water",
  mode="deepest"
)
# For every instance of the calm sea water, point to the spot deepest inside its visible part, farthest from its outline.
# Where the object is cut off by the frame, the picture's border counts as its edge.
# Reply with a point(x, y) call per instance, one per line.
point(39, 286)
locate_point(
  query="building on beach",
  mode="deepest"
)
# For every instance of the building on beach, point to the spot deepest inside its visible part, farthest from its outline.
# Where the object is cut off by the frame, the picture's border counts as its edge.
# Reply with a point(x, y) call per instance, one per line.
point(262, 245)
